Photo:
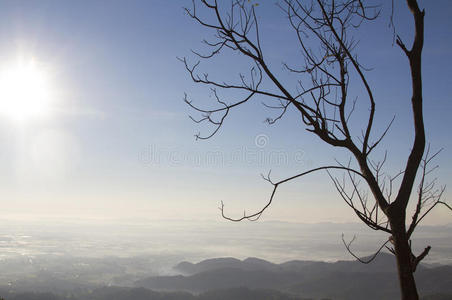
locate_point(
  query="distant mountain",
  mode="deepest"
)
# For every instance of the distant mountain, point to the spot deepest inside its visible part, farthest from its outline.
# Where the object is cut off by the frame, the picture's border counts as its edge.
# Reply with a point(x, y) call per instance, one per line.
point(382, 263)
point(338, 280)
point(33, 296)
point(247, 294)
point(437, 297)
point(249, 264)
point(223, 278)
point(335, 286)
point(121, 293)
point(189, 268)
point(435, 280)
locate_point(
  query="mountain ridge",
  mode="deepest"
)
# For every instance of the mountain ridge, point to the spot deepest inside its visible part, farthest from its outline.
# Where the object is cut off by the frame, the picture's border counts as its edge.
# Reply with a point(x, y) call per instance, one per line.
point(312, 279)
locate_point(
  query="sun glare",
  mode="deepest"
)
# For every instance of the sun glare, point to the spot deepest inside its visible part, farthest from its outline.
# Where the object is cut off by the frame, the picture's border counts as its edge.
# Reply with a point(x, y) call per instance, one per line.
point(24, 91)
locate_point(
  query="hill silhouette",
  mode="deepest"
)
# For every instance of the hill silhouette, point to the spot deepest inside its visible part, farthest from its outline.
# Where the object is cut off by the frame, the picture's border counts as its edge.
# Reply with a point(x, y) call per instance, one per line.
point(122, 293)
point(337, 280)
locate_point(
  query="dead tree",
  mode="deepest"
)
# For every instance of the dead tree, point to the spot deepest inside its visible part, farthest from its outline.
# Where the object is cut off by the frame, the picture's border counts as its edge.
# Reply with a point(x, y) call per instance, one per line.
point(323, 103)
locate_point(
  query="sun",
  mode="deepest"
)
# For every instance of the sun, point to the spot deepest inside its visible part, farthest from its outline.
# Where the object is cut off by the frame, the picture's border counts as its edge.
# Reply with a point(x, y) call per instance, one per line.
point(24, 91)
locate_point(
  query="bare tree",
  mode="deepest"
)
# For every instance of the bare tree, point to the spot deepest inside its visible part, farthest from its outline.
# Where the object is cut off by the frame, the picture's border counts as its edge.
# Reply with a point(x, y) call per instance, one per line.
point(323, 103)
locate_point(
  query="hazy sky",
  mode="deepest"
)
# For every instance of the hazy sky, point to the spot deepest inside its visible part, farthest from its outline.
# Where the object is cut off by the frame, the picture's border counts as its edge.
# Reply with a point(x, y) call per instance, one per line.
point(116, 141)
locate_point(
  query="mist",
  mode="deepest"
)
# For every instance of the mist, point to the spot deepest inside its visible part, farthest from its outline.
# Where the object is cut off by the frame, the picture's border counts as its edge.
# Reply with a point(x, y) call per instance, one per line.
point(179, 150)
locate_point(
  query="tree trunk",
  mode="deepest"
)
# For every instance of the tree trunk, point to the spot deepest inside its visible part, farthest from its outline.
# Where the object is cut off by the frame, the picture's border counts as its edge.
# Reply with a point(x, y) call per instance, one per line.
point(404, 262)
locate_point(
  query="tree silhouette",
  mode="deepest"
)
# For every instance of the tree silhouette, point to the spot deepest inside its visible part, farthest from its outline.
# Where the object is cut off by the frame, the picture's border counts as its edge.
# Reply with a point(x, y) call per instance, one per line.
point(323, 103)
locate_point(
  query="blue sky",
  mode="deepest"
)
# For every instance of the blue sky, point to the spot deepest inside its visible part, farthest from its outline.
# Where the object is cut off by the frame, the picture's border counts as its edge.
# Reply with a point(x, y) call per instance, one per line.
point(118, 142)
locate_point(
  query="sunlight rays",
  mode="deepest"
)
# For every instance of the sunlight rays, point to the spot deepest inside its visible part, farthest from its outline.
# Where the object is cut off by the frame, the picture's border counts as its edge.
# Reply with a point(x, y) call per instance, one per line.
point(25, 91)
